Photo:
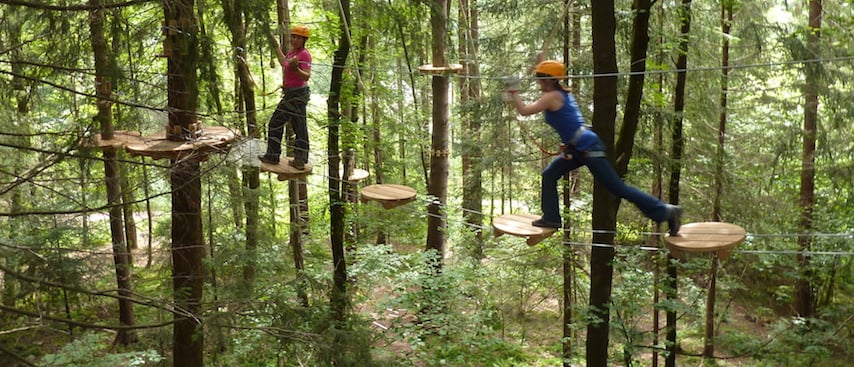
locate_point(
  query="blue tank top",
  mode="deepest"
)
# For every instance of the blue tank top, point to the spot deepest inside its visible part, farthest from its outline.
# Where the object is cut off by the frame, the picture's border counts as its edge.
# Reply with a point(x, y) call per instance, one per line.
point(567, 120)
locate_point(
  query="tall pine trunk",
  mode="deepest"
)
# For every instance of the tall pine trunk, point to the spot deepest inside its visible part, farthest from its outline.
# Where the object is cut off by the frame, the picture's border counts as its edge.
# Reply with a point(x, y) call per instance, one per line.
point(233, 13)
point(572, 25)
point(437, 185)
point(188, 249)
point(470, 97)
point(103, 91)
point(604, 203)
point(339, 296)
point(684, 15)
point(805, 299)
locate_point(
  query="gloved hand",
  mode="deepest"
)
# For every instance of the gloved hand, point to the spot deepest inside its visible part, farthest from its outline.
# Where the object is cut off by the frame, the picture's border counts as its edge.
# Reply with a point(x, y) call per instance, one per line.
point(511, 83)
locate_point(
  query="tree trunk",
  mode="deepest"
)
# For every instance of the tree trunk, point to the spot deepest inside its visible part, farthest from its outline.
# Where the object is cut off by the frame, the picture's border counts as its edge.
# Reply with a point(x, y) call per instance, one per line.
point(726, 25)
point(437, 186)
point(570, 257)
point(103, 91)
point(470, 97)
point(604, 203)
point(684, 14)
point(339, 299)
point(631, 116)
point(805, 304)
point(234, 17)
point(187, 242)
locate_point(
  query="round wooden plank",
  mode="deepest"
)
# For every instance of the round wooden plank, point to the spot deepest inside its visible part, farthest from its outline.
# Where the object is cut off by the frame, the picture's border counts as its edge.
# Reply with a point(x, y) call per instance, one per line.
point(706, 237)
point(390, 195)
point(357, 175)
point(213, 139)
point(438, 70)
point(284, 170)
point(520, 225)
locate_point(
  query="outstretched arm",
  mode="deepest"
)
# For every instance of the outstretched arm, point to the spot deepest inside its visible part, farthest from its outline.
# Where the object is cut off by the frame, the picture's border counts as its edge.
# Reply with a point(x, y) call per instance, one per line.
point(548, 101)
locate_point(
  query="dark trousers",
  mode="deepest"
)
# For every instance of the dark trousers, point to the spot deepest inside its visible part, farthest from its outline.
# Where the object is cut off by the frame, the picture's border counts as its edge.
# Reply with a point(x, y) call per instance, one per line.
point(291, 109)
point(602, 171)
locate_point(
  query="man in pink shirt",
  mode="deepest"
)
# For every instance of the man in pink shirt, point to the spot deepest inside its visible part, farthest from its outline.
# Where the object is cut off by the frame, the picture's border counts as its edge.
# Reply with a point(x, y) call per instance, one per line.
point(292, 108)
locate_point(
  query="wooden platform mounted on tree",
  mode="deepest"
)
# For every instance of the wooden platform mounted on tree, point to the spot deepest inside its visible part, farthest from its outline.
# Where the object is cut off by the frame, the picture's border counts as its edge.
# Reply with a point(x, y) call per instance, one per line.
point(390, 195)
point(705, 238)
point(285, 171)
point(520, 225)
point(440, 70)
point(211, 139)
point(120, 139)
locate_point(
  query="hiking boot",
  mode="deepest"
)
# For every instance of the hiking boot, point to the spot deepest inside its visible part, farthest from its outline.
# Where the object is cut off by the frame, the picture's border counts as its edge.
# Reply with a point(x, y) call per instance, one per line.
point(545, 224)
point(296, 163)
point(264, 158)
point(674, 221)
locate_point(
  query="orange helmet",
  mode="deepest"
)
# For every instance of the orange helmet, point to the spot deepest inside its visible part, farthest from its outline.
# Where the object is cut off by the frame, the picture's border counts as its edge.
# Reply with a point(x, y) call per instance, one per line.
point(300, 30)
point(551, 68)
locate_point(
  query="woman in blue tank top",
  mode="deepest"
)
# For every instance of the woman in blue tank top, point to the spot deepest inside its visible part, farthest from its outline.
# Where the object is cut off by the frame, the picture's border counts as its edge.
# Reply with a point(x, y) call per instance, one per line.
point(581, 147)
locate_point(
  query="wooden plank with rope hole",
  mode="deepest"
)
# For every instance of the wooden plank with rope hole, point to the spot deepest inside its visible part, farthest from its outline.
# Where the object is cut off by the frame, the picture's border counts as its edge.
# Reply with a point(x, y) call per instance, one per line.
point(705, 238)
point(389, 195)
point(520, 225)
point(285, 171)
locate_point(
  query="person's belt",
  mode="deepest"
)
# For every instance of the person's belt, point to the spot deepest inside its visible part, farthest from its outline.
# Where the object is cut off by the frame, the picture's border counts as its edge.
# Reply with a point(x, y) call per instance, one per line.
point(295, 89)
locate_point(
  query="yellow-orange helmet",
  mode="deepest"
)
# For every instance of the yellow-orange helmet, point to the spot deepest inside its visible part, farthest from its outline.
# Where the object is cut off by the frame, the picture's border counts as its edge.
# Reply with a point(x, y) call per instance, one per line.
point(551, 68)
point(300, 30)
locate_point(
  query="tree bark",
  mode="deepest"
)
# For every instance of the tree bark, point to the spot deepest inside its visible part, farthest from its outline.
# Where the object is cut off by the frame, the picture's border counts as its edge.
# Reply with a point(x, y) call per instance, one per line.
point(437, 186)
point(188, 249)
point(631, 116)
point(805, 299)
point(726, 25)
point(234, 18)
point(604, 203)
point(684, 14)
point(470, 97)
point(572, 25)
point(339, 296)
point(103, 90)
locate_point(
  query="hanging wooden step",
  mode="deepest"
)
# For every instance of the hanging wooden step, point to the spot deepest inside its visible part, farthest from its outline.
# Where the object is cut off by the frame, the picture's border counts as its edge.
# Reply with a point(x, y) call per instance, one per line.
point(440, 70)
point(285, 171)
point(705, 238)
point(520, 225)
point(211, 139)
point(357, 175)
point(390, 195)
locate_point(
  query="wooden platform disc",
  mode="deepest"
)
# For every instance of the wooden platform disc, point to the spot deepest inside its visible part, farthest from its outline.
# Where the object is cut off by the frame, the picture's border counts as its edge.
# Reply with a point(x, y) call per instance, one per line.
point(119, 140)
point(705, 238)
point(213, 140)
point(357, 175)
point(439, 70)
point(390, 195)
point(285, 171)
point(520, 225)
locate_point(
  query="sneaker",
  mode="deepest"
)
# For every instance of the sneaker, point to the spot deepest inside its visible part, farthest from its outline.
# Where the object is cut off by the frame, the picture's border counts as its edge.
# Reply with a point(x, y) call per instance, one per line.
point(266, 159)
point(674, 221)
point(545, 224)
point(296, 163)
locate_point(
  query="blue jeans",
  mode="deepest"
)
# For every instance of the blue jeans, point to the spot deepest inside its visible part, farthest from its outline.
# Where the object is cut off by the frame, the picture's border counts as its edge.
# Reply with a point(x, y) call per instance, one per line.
point(604, 173)
point(291, 109)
